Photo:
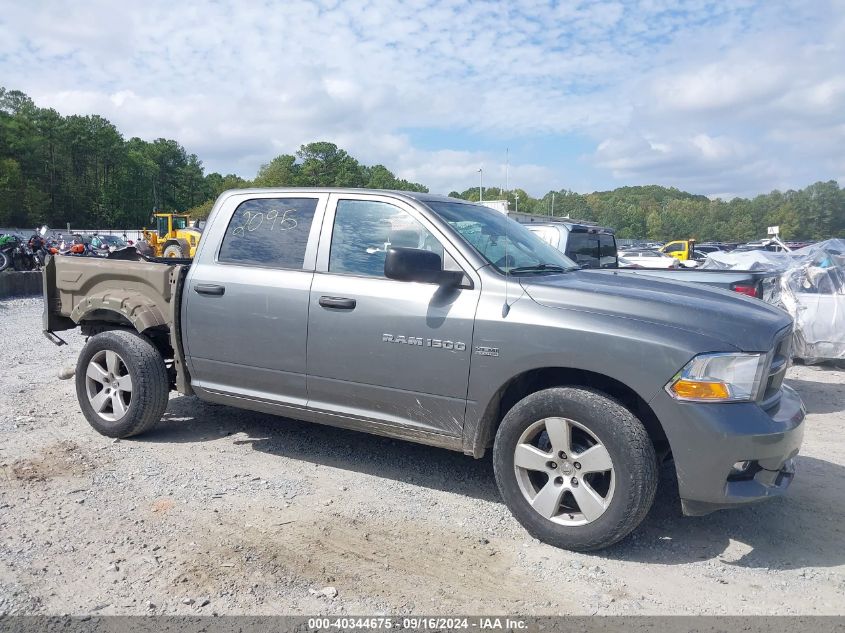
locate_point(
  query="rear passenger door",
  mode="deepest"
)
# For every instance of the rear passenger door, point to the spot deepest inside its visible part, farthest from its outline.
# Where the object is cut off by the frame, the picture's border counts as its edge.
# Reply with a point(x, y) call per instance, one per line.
point(245, 307)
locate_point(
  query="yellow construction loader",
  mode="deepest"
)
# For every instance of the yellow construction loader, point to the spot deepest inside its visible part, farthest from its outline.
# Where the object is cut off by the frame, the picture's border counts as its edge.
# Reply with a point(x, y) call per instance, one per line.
point(172, 236)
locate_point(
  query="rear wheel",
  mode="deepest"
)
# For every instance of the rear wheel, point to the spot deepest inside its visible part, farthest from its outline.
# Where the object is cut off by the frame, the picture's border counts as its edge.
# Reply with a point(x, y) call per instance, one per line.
point(5, 261)
point(121, 383)
point(174, 250)
point(576, 468)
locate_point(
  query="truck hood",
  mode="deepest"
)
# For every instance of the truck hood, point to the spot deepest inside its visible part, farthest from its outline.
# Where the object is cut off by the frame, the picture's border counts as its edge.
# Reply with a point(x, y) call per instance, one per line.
point(742, 322)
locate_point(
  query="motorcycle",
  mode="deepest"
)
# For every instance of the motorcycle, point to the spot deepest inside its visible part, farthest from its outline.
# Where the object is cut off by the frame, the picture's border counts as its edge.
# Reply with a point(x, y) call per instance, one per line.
point(39, 247)
point(78, 246)
point(15, 253)
point(8, 244)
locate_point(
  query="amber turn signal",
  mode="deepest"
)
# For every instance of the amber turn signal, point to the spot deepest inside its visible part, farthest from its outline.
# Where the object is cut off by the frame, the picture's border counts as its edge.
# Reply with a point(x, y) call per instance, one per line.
point(700, 390)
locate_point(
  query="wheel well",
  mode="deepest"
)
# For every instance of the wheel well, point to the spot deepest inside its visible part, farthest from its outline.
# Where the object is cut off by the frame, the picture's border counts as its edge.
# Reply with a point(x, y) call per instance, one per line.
point(100, 320)
point(538, 379)
point(97, 321)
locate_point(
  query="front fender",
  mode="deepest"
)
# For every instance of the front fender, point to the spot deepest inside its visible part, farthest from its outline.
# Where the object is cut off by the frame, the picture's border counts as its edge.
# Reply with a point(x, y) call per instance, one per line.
point(640, 356)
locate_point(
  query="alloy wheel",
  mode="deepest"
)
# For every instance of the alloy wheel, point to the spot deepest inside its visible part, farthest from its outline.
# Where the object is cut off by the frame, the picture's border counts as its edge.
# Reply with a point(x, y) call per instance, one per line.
point(108, 385)
point(564, 472)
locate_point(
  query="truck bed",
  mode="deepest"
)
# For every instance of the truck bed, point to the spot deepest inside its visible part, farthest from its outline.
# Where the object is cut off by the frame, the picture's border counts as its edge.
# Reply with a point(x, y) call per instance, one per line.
point(76, 288)
point(97, 293)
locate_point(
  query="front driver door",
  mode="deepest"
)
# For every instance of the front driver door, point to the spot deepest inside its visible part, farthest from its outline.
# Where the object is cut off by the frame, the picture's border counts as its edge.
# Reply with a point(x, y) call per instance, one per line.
point(378, 349)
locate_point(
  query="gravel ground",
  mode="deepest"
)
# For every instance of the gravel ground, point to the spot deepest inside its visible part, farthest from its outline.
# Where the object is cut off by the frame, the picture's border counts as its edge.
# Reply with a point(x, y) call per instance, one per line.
point(226, 511)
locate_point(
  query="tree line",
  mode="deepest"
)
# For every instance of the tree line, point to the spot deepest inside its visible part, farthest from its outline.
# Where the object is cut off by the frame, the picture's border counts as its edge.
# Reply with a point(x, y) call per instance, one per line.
point(661, 213)
point(80, 170)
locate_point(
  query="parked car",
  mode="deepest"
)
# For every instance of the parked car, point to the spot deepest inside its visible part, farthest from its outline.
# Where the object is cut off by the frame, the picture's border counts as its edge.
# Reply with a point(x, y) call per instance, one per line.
point(444, 322)
point(108, 242)
point(706, 249)
point(588, 245)
point(679, 249)
point(646, 258)
point(772, 246)
point(760, 284)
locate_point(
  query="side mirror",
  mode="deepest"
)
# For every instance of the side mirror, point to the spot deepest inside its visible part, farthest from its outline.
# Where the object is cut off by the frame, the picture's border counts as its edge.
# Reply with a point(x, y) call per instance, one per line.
point(416, 264)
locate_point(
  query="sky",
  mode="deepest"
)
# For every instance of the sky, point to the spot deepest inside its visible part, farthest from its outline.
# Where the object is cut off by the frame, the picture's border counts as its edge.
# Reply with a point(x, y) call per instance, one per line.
point(725, 99)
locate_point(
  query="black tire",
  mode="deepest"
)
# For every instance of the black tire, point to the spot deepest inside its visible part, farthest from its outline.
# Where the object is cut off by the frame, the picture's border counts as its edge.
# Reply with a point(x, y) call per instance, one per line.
point(635, 471)
point(174, 250)
point(5, 261)
point(150, 384)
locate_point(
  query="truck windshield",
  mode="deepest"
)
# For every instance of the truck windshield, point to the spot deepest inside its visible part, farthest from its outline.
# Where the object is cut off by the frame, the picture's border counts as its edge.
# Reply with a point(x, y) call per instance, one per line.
point(506, 244)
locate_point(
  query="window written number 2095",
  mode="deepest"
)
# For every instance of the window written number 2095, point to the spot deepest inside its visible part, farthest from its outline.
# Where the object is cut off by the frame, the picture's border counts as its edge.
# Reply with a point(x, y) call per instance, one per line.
point(252, 221)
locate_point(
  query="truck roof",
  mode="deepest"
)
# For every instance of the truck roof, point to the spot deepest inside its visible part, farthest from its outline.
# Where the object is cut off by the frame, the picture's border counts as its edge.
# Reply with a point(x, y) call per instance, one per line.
point(576, 226)
point(415, 195)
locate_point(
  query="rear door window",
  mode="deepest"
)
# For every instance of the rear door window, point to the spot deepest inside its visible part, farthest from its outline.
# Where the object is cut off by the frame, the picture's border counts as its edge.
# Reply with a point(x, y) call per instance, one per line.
point(269, 232)
point(584, 249)
point(592, 250)
point(607, 251)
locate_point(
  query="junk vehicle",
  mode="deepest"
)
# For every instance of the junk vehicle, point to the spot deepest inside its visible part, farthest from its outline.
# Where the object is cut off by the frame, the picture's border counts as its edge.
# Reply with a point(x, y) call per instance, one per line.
point(108, 243)
point(439, 321)
point(682, 250)
point(172, 237)
point(812, 291)
point(646, 258)
point(594, 246)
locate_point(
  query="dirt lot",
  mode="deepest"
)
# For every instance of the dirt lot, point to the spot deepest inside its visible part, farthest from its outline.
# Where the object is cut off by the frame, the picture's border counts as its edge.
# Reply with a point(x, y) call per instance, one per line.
point(225, 511)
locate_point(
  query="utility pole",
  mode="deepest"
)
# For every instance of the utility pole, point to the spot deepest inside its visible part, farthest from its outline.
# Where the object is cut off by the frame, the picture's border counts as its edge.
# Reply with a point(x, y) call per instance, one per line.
point(481, 184)
point(516, 196)
point(507, 169)
point(553, 203)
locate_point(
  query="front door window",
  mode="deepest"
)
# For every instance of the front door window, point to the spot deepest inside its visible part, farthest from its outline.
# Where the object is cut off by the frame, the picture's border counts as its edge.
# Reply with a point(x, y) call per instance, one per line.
point(365, 229)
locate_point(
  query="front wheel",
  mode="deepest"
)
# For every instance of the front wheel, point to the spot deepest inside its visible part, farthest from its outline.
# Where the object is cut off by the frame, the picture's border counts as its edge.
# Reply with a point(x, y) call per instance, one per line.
point(121, 383)
point(173, 251)
point(576, 468)
point(5, 261)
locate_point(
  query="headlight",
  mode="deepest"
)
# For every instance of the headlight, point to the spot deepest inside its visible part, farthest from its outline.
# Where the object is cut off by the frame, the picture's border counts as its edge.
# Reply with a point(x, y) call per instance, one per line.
point(719, 378)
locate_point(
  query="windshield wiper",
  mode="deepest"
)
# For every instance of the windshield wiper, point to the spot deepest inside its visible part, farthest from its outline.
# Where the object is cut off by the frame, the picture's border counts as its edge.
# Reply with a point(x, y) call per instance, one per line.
point(539, 268)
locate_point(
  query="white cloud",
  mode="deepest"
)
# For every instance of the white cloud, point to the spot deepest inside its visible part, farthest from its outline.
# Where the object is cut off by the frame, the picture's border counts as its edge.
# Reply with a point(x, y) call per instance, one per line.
point(766, 110)
point(715, 96)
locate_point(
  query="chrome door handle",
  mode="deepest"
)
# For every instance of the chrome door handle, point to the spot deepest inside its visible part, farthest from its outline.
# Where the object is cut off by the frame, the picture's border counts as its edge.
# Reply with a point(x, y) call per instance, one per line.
point(209, 289)
point(338, 303)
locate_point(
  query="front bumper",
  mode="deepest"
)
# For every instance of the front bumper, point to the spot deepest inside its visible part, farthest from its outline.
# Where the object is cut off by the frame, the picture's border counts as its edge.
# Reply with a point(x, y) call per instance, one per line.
point(707, 439)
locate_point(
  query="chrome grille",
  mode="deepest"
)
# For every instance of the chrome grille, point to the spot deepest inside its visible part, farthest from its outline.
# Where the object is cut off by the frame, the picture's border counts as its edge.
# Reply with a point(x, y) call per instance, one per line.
point(781, 357)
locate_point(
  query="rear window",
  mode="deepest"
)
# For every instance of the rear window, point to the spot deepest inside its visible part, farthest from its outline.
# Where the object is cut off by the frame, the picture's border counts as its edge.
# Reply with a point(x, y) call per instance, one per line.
point(592, 250)
point(269, 232)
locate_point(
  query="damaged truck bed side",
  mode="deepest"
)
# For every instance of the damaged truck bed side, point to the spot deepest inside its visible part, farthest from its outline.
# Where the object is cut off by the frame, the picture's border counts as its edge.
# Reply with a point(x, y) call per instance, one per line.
point(434, 320)
point(99, 295)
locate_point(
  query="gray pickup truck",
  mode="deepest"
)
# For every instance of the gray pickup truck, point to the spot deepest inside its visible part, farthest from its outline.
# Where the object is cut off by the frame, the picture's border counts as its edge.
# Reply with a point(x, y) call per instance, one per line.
point(439, 321)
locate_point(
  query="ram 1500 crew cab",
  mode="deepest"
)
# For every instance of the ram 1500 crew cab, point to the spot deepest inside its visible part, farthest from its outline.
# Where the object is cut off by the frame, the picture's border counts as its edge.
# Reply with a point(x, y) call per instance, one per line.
point(439, 321)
